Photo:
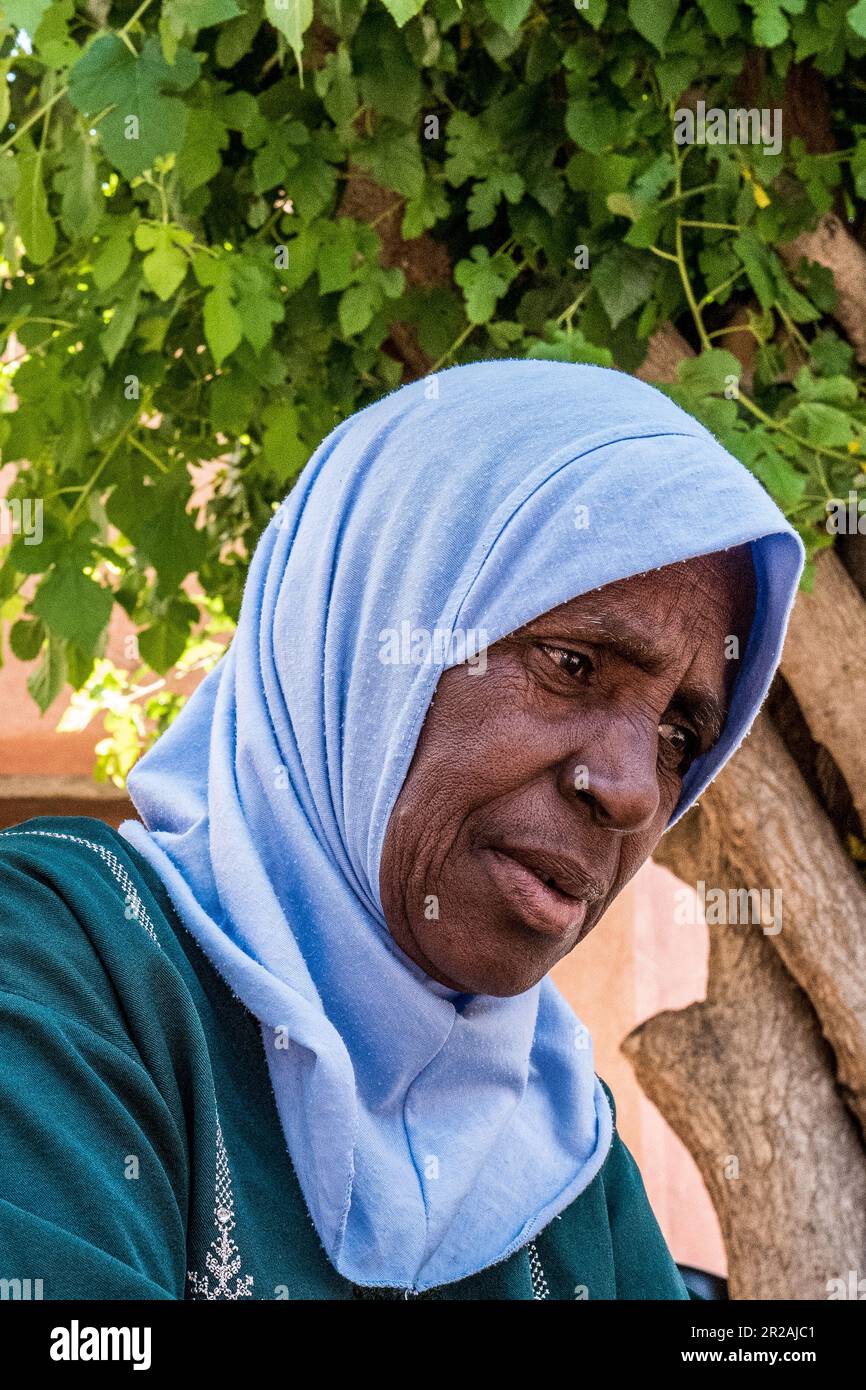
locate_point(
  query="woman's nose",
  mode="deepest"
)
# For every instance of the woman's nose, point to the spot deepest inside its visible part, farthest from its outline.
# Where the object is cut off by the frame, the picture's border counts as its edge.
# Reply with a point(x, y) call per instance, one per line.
point(617, 776)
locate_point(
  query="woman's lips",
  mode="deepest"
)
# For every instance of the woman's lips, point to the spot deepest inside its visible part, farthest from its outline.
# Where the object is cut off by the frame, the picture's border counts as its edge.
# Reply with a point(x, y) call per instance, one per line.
point(543, 908)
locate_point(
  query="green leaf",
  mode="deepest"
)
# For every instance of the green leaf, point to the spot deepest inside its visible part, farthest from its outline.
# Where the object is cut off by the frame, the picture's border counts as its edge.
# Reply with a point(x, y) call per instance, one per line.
point(223, 329)
point(258, 304)
point(425, 211)
point(144, 122)
point(35, 226)
point(199, 14)
point(509, 13)
point(770, 26)
point(293, 18)
point(487, 195)
point(283, 447)
point(857, 18)
point(560, 345)
point(623, 280)
point(675, 76)
point(336, 258)
point(401, 11)
point(25, 14)
point(10, 175)
point(822, 424)
point(79, 186)
point(49, 678)
point(756, 259)
point(26, 638)
point(653, 19)
point(276, 158)
point(784, 482)
point(114, 257)
point(830, 353)
point(483, 282)
point(168, 536)
point(469, 146)
point(162, 645)
point(594, 12)
point(592, 124)
point(166, 266)
point(835, 390)
point(357, 306)
point(302, 254)
point(236, 38)
point(722, 17)
point(394, 159)
point(708, 373)
point(73, 606)
point(200, 157)
point(121, 325)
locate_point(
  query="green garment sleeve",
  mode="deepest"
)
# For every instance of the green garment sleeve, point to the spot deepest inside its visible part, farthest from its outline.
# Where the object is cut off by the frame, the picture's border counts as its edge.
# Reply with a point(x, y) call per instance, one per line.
point(93, 1172)
point(645, 1267)
point(86, 1205)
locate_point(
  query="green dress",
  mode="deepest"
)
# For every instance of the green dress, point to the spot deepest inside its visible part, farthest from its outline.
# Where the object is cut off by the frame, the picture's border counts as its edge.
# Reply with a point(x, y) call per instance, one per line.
point(141, 1155)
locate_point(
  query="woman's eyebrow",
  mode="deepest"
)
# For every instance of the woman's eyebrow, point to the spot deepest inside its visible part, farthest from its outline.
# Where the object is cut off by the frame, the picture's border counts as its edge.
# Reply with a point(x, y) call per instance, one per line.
point(700, 702)
point(630, 641)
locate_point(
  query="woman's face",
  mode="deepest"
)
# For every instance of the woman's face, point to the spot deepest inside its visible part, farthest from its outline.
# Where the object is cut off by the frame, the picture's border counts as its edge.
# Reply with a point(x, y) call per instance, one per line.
point(540, 786)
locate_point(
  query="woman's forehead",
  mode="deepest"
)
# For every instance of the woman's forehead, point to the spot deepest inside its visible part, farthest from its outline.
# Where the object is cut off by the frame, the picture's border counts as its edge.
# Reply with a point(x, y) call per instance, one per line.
point(724, 578)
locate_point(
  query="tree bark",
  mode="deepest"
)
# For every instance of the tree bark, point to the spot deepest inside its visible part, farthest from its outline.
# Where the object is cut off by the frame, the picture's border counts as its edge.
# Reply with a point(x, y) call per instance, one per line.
point(832, 245)
point(823, 662)
point(765, 1077)
point(666, 348)
point(746, 1081)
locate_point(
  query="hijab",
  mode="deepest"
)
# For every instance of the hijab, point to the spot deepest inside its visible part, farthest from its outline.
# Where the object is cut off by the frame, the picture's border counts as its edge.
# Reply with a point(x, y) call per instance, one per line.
point(432, 1132)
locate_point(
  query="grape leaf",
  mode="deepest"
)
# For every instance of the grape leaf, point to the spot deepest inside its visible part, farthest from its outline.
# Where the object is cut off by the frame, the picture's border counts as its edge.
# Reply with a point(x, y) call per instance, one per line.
point(292, 18)
point(73, 606)
point(144, 122)
point(653, 19)
point(623, 280)
point(35, 225)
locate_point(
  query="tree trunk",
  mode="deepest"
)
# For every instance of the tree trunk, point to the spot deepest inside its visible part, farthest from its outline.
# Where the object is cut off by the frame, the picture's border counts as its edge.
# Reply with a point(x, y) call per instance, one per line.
point(765, 1080)
point(746, 1080)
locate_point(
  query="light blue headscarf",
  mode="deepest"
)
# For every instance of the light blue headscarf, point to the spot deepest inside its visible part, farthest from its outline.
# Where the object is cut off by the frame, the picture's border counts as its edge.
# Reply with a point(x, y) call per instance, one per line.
point(433, 1133)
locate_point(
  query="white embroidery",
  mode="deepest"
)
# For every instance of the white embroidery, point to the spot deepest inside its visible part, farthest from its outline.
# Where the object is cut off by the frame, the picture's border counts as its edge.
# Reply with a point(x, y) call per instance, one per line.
point(536, 1273)
point(222, 1260)
point(135, 907)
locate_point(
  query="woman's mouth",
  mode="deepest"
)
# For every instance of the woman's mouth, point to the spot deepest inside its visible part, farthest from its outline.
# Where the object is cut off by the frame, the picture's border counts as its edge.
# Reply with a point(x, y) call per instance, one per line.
point(533, 895)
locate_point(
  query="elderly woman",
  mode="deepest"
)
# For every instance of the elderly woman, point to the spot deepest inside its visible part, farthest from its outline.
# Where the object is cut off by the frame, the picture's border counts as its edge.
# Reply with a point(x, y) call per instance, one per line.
point(292, 1035)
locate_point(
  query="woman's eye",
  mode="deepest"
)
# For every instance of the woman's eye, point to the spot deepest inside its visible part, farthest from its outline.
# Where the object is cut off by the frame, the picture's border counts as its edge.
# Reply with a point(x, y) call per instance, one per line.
point(572, 663)
point(682, 740)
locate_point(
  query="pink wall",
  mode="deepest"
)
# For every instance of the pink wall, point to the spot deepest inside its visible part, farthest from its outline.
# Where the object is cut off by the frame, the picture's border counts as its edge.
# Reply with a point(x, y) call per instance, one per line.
point(635, 964)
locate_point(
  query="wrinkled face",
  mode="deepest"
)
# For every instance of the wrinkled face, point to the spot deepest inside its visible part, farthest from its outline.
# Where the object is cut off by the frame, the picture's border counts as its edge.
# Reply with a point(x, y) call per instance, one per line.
point(539, 787)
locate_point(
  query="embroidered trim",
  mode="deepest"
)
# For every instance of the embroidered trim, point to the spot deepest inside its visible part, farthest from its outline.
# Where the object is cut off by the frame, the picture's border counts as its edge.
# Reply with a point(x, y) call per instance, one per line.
point(536, 1273)
point(135, 908)
point(222, 1260)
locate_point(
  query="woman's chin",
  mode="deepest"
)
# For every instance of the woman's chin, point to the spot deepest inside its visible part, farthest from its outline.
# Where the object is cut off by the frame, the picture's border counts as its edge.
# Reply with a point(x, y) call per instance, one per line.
point(501, 971)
